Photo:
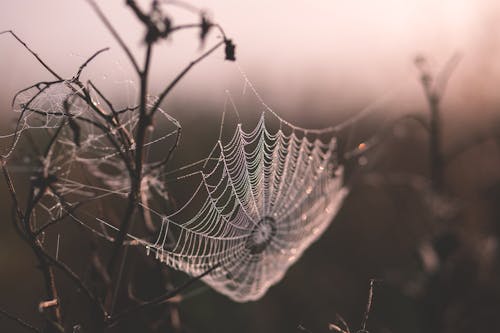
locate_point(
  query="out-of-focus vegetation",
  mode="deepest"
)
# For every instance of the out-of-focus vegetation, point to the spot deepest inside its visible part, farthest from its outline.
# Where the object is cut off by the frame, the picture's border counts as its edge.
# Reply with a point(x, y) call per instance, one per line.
point(437, 253)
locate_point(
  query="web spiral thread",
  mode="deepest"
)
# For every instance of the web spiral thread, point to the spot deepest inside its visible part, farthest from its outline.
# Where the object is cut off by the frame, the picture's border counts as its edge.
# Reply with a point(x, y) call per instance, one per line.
point(263, 200)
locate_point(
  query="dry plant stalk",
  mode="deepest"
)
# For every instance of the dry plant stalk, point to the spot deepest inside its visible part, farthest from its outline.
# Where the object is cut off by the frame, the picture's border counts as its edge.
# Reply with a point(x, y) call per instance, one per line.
point(130, 149)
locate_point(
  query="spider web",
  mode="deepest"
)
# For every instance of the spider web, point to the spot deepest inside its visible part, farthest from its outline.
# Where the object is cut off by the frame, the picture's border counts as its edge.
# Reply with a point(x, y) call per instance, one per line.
point(263, 196)
point(87, 166)
point(263, 200)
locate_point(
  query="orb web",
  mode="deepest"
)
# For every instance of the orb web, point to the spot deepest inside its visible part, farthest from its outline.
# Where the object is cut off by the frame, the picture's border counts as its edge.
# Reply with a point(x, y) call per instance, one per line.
point(263, 198)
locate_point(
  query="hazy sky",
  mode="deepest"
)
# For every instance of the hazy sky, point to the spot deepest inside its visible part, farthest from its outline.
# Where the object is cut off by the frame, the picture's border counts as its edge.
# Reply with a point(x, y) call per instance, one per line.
point(295, 52)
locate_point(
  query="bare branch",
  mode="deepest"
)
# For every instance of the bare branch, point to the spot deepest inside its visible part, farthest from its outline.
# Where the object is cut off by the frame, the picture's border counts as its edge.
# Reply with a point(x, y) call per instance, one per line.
point(334, 327)
point(19, 321)
point(77, 76)
point(55, 221)
point(43, 63)
point(165, 92)
point(368, 306)
point(78, 281)
point(115, 34)
point(12, 190)
point(167, 158)
point(160, 299)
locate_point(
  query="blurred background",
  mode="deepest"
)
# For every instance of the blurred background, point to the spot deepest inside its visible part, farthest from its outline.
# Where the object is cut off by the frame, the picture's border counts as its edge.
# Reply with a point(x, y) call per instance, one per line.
point(314, 63)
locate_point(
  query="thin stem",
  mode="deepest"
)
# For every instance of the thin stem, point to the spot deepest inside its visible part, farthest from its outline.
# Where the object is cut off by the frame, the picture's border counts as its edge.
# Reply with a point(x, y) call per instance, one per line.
point(368, 306)
point(436, 155)
point(41, 254)
point(115, 34)
point(136, 177)
point(78, 281)
point(17, 132)
point(54, 221)
point(19, 321)
point(101, 127)
point(12, 190)
point(43, 63)
point(82, 67)
point(138, 12)
point(29, 238)
point(165, 92)
point(170, 151)
point(434, 90)
point(37, 248)
point(198, 25)
point(160, 299)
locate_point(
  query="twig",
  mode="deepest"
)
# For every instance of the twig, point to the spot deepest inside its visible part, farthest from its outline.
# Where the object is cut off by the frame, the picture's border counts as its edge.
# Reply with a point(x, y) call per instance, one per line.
point(12, 190)
point(131, 151)
point(92, 57)
point(56, 220)
point(19, 321)
point(29, 238)
point(43, 63)
point(368, 306)
point(79, 282)
point(167, 158)
point(36, 246)
point(115, 34)
point(444, 75)
point(165, 92)
point(334, 327)
point(160, 299)
point(303, 329)
point(138, 12)
point(41, 254)
point(135, 181)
